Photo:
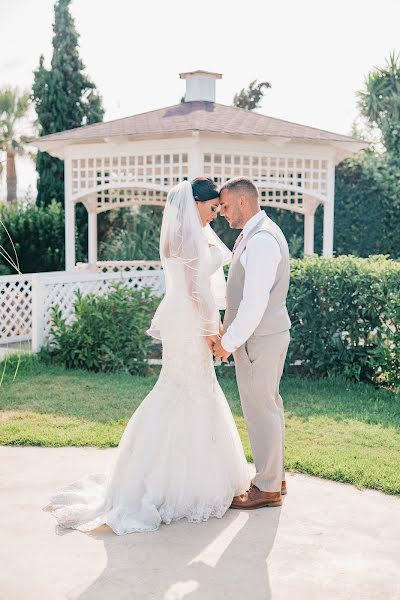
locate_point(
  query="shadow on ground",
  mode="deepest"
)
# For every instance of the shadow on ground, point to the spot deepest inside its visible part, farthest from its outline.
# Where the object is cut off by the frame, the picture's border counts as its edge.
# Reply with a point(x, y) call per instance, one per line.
point(208, 560)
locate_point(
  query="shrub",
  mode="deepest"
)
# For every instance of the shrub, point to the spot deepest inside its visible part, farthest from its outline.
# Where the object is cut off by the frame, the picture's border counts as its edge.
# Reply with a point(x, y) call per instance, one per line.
point(108, 332)
point(345, 316)
point(132, 234)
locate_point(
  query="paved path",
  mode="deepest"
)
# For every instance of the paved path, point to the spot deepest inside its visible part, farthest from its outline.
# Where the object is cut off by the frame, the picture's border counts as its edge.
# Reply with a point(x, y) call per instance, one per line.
point(327, 541)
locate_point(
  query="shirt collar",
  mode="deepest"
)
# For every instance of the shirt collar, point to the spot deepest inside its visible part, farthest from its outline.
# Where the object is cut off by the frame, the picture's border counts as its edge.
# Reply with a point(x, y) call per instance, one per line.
point(253, 222)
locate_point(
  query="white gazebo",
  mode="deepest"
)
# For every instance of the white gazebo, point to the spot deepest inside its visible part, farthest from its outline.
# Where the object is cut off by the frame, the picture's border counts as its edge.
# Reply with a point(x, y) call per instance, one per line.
point(136, 160)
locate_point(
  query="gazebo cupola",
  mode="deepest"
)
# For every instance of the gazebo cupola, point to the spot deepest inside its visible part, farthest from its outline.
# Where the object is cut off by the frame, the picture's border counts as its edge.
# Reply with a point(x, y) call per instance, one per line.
point(200, 85)
point(136, 160)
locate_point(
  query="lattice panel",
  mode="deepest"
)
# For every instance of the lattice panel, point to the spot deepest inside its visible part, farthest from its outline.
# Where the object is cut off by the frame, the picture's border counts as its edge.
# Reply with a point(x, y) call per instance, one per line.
point(281, 198)
point(15, 308)
point(116, 266)
point(114, 198)
point(162, 169)
point(297, 175)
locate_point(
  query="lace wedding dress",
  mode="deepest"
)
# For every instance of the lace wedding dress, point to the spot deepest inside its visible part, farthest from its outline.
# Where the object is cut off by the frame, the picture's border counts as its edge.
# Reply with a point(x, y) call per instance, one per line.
point(180, 455)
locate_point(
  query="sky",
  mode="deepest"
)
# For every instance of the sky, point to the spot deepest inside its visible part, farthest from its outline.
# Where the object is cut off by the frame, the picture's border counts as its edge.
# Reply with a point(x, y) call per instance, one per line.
point(314, 53)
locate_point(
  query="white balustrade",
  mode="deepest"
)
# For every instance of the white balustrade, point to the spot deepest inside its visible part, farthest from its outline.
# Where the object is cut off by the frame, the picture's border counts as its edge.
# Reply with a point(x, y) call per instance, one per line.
point(113, 266)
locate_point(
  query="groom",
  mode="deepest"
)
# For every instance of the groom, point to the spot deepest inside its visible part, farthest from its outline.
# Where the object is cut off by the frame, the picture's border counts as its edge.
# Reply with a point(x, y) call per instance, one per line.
point(256, 331)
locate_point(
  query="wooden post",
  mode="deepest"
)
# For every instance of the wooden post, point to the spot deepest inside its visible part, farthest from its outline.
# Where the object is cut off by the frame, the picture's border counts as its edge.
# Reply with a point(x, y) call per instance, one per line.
point(69, 218)
point(92, 233)
point(37, 313)
point(308, 234)
point(329, 212)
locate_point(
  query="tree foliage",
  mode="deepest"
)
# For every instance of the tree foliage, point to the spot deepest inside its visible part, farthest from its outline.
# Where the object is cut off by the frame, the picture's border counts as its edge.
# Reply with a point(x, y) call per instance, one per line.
point(133, 234)
point(251, 97)
point(367, 206)
point(37, 233)
point(379, 102)
point(64, 98)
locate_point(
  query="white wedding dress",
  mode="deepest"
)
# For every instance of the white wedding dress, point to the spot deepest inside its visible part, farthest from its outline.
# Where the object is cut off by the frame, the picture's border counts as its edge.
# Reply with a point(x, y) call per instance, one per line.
point(180, 454)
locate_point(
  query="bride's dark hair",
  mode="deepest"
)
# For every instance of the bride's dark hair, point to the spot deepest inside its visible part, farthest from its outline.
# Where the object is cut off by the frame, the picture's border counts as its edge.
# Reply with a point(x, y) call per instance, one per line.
point(204, 189)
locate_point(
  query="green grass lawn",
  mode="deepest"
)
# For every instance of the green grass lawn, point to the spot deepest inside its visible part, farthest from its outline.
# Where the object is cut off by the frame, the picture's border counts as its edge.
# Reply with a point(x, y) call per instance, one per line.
point(334, 429)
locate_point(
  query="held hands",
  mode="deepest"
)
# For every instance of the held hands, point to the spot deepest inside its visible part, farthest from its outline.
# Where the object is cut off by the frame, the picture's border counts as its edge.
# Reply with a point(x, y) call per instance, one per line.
point(215, 346)
point(219, 351)
point(211, 341)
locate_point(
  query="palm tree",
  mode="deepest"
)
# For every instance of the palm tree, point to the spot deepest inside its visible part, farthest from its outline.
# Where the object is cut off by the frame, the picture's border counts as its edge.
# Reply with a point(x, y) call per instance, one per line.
point(379, 101)
point(14, 106)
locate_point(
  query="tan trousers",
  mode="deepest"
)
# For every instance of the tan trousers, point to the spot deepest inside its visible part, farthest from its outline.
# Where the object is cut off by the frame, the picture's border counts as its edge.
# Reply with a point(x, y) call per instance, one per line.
point(259, 366)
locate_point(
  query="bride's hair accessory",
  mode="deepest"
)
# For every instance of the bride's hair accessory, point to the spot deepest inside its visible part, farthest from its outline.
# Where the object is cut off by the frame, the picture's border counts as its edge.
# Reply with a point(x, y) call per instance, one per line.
point(204, 189)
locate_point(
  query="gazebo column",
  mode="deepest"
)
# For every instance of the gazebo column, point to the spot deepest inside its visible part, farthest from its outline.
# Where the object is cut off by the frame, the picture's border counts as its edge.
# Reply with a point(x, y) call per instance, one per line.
point(329, 213)
point(308, 234)
point(310, 206)
point(69, 219)
point(196, 162)
point(92, 233)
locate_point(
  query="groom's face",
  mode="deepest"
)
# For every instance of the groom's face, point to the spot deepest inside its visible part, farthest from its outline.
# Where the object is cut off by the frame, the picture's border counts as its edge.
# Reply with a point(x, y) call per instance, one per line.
point(230, 207)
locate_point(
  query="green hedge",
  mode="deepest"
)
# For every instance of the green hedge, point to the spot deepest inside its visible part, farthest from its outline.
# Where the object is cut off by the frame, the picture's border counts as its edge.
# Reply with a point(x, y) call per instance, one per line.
point(108, 334)
point(345, 316)
point(345, 313)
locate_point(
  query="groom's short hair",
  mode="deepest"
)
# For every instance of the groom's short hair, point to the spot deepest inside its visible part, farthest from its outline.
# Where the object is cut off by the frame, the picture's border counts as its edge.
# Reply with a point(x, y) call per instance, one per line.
point(242, 185)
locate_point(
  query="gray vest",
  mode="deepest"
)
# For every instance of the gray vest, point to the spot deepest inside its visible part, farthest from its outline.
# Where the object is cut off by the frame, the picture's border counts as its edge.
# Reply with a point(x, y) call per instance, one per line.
point(275, 318)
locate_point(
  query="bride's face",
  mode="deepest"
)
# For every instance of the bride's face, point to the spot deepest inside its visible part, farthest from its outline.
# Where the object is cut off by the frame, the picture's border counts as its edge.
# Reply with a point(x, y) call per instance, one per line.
point(208, 210)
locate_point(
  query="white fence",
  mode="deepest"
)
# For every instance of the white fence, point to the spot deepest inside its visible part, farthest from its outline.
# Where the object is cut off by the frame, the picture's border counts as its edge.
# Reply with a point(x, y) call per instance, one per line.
point(26, 300)
point(112, 266)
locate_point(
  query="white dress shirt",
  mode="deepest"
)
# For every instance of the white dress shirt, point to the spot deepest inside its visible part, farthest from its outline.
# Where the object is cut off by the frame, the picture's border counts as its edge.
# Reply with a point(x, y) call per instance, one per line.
point(260, 261)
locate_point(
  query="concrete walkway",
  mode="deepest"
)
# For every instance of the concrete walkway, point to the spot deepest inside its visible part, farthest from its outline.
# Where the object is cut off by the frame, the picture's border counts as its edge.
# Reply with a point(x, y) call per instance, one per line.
point(327, 541)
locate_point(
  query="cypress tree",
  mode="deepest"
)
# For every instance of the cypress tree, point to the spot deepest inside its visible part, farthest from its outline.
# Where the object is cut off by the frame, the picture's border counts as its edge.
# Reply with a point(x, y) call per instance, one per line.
point(64, 98)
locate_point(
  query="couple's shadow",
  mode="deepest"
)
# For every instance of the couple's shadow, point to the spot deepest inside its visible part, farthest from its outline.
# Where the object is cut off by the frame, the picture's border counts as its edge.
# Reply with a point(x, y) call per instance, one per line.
point(219, 559)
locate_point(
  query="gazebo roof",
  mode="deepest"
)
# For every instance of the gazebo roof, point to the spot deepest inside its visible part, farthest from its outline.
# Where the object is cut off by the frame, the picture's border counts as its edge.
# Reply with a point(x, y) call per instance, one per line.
point(199, 116)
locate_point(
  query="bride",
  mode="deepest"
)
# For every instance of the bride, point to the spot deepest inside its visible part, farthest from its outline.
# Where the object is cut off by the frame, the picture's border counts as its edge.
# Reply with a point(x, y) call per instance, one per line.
point(180, 454)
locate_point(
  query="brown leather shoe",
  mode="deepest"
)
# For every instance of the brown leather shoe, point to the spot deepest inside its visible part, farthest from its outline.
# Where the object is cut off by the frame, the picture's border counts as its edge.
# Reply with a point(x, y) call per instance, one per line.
point(283, 487)
point(255, 498)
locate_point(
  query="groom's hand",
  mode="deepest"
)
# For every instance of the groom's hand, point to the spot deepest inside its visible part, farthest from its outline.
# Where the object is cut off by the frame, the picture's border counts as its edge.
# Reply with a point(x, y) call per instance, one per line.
point(220, 352)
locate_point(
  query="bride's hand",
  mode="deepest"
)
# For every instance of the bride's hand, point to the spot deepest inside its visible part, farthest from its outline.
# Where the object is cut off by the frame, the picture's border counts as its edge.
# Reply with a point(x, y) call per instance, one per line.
point(211, 340)
point(220, 352)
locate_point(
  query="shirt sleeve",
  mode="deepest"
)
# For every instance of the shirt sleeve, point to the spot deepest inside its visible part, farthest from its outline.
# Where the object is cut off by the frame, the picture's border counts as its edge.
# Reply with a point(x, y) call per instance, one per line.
point(262, 258)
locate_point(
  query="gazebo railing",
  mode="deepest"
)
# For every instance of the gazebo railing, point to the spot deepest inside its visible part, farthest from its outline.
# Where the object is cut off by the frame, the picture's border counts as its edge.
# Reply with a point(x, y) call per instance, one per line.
point(116, 266)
